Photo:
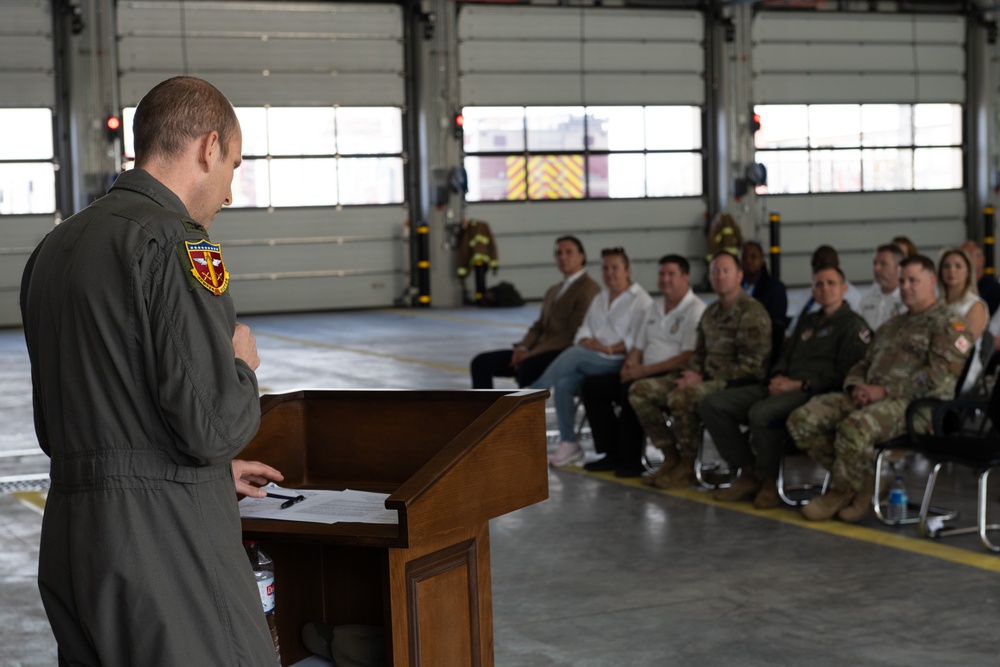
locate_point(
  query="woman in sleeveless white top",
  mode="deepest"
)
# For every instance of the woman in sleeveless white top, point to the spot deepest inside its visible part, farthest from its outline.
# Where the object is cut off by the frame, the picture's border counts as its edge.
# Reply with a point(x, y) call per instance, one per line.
point(958, 290)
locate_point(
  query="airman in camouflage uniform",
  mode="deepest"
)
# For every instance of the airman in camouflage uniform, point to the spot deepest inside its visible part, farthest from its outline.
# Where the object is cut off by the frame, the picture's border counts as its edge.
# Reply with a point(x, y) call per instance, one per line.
point(734, 343)
point(917, 354)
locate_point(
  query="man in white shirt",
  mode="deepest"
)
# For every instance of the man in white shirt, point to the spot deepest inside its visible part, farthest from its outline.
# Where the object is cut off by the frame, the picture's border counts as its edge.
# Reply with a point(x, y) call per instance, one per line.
point(666, 340)
point(882, 301)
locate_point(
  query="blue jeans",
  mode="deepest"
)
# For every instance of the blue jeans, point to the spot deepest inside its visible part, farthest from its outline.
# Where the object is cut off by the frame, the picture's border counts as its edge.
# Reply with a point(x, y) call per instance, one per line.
point(566, 375)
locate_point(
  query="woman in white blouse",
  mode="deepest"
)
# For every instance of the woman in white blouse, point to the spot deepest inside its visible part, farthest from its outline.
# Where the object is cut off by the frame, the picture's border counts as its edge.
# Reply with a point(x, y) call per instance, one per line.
point(957, 283)
point(607, 333)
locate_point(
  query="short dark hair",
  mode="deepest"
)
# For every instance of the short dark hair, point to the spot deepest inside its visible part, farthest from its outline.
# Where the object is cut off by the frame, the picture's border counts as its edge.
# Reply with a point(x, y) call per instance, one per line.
point(923, 261)
point(830, 267)
point(681, 263)
point(825, 255)
point(575, 241)
point(727, 254)
point(178, 110)
point(893, 249)
point(616, 251)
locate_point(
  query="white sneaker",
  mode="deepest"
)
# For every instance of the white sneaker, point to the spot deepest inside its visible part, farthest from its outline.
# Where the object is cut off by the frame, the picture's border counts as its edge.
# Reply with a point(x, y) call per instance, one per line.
point(567, 453)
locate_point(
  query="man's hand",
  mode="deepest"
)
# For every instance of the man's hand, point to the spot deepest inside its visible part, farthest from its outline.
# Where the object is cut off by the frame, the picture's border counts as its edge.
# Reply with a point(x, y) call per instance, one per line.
point(782, 384)
point(251, 475)
point(689, 378)
point(245, 346)
point(517, 357)
point(866, 394)
point(632, 370)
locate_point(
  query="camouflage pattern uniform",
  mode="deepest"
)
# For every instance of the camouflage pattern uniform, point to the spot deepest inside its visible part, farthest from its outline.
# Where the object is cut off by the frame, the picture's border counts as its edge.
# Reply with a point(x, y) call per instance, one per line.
point(914, 355)
point(733, 345)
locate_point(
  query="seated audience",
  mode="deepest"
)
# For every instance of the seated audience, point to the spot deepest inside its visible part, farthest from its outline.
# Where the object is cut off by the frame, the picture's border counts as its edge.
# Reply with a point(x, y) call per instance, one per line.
point(882, 301)
point(825, 345)
point(989, 288)
point(665, 342)
point(919, 353)
point(607, 333)
point(563, 308)
point(733, 346)
point(758, 283)
point(955, 276)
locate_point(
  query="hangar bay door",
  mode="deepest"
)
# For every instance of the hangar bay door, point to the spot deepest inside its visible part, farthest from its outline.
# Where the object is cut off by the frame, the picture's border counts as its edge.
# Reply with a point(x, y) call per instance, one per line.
point(319, 222)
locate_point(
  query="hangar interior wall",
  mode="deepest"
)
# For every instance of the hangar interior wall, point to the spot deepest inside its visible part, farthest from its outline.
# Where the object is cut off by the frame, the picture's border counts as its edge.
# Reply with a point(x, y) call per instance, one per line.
point(286, 54)
point(26, 80)
point(801, 58)
point(354, 54)
point(538, 56)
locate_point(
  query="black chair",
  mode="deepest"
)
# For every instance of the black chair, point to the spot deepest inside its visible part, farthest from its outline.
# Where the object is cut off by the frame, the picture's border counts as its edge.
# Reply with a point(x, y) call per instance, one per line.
point(967, 433)
point(909, 442)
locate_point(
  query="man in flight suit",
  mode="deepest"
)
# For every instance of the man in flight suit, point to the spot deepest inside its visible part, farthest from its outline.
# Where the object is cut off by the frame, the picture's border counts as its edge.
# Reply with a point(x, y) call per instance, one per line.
point(916, 354)
point(144, 392)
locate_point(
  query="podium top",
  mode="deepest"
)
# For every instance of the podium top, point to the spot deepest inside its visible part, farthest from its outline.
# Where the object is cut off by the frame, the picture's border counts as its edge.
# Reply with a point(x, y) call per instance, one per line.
point(445, 457)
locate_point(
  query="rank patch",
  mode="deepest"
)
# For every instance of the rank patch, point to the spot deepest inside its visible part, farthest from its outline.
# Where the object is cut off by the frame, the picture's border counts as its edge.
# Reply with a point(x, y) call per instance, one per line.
point(207, 266)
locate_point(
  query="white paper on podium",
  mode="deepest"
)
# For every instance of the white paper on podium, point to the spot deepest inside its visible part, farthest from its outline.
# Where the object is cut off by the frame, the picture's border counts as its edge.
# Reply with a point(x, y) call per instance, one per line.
point(320, 506)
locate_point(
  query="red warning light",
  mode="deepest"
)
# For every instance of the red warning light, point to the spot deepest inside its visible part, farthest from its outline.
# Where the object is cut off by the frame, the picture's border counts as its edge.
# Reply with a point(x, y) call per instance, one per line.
point(114, 123)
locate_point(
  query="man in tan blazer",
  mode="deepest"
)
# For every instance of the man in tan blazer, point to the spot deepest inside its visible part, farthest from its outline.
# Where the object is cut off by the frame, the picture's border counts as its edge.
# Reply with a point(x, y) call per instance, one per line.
point(563, 308)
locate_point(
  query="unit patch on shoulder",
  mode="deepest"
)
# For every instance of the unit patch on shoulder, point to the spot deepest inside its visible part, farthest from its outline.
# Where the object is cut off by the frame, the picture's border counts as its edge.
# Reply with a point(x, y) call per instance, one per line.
point(963, 344)
point(958, 325)
point(207, 266)
point(865, 335)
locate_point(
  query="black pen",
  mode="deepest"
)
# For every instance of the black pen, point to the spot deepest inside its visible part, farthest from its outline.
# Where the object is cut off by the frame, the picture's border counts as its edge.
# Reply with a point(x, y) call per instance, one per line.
point(289, 500)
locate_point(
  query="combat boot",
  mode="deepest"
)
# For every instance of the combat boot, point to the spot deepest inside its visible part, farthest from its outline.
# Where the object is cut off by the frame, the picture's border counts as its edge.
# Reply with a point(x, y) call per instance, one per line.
point(767, 498)
point(743, 487)
point(670, 461)
point(862, 503)
point(680, 477)
point(826, 506)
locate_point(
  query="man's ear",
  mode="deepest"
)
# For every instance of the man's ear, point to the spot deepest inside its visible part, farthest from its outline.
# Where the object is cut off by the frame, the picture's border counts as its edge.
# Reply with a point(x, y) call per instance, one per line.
point(208, 146)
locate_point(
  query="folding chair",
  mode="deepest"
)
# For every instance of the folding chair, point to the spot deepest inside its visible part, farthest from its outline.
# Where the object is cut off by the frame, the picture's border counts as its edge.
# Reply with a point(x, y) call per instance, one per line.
point(967, 434)
point(913, 441)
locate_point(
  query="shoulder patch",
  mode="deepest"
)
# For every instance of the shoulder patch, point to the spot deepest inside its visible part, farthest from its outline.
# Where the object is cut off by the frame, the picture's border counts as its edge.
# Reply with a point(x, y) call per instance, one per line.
point(207, 266)
point(963, 344)
point(865, 335)
point(958, 325)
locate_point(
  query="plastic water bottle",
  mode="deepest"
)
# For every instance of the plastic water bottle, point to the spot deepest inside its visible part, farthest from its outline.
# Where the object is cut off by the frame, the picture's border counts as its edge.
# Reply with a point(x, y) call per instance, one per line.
point(263, 570)
point(897, 501)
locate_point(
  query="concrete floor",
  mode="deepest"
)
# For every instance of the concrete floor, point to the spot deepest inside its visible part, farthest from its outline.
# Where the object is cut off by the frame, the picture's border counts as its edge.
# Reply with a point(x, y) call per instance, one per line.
point(606, 572)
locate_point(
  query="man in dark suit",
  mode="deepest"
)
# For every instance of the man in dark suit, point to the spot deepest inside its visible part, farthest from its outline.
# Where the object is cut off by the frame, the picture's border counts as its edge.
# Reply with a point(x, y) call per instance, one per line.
point(563, 308)
point(771, 293)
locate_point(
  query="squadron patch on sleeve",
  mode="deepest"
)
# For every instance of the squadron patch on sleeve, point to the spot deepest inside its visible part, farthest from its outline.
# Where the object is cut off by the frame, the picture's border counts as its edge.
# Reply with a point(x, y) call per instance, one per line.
point(207, 266)
point(959, 326)
point(865, 335)
point(963, 344)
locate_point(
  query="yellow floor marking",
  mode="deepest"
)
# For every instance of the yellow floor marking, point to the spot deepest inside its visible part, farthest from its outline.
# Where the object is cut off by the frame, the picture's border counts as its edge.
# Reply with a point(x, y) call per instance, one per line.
point(918, 545)
point(33, 499)
point(369, 353)
point(451, 318)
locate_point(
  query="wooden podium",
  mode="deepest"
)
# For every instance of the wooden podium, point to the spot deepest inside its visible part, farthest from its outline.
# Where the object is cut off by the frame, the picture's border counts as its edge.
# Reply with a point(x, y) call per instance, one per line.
point(451, 460)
